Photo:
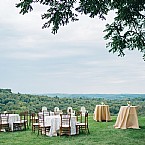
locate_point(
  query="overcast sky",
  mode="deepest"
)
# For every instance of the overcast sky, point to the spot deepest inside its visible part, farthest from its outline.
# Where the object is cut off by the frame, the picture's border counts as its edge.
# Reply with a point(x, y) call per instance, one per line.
point(33, 60)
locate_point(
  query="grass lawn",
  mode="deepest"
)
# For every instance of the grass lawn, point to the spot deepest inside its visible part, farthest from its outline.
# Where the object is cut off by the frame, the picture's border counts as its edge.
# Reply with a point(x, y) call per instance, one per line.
point(101, 133)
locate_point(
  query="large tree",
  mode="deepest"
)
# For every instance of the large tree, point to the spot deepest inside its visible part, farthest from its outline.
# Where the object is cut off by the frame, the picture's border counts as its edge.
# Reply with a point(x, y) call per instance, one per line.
point(127, 31)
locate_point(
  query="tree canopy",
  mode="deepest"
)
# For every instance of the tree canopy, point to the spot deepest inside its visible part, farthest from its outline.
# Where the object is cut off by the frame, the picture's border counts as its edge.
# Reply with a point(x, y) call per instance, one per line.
point(127, 31)
point(12, 102)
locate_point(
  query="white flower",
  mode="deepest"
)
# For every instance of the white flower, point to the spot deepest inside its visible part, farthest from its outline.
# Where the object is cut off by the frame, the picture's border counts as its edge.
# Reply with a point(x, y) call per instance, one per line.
point(128, 103)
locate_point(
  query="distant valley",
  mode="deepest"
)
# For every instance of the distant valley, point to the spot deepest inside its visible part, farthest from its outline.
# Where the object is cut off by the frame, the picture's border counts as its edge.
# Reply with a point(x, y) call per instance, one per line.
point(105, 96)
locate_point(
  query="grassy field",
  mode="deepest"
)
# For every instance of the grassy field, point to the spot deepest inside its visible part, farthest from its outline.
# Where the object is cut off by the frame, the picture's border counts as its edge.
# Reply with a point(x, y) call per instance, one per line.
point(101, 133)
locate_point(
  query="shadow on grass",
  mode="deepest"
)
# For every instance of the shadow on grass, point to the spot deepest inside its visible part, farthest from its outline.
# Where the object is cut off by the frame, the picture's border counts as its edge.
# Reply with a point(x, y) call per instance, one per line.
point(142, 127)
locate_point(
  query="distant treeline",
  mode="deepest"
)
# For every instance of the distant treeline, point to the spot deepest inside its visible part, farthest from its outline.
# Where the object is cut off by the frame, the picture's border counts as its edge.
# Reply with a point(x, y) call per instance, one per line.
point(106, 96)
point(21, 102)
point(5, 91)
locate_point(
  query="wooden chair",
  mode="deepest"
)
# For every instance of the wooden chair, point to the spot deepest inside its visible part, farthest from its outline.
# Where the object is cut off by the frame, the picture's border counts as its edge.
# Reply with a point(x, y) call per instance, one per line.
point(10, 112)
point(32, 117)
point(78, 115)
point(64, 112)
point(4, 122)
point(34, 121)
point(42, 127)
point(70, 110)
point(27, 118)
point(22, 124)
point(24, 118)
point(65, 127)
point(83, 124)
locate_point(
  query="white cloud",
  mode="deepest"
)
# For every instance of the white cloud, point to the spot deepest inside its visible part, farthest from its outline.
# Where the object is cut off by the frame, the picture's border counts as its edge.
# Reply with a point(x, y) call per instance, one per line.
point(75, 60)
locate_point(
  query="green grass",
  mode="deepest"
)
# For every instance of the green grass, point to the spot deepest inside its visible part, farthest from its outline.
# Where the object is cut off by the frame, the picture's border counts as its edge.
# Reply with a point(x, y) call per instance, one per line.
point(101, 133)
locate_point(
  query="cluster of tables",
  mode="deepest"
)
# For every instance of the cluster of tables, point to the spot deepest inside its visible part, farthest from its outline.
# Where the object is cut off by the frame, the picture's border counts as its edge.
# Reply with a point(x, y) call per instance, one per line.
point(127, 116)
point(53, 121)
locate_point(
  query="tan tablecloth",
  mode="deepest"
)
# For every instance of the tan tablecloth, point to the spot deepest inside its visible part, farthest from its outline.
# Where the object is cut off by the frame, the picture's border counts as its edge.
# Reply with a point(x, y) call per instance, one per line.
point(102, 113)
point(127, 118)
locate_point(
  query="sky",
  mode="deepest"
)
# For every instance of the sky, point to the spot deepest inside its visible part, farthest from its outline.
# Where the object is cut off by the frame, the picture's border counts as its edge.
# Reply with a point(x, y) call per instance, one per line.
point(75, 60)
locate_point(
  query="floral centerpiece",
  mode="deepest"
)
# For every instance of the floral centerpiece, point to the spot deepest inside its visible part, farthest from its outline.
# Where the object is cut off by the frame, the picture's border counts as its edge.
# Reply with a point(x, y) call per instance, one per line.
point(129, 103)
point(102, 103)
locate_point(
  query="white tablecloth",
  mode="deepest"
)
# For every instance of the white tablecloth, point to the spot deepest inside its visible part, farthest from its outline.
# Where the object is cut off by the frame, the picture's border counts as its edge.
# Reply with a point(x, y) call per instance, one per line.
point(54, 122)
point(12, 119)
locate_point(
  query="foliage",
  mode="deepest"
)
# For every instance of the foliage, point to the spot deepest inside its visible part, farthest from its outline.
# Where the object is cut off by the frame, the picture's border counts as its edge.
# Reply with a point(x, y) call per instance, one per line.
point(5, 91)
point(33, 103)
point(126, 32)
point(101, 133)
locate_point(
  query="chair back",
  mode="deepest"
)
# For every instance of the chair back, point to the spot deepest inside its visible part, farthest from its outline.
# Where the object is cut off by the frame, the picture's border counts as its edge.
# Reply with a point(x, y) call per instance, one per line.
point(33, 118)
point(10, 112)
point(86, 118)
point(65, 119)
point(22, 116)
point(24, 119)
point(56, 109)
point(83, 119)
point(83, 110)
point(64, 112)
point(65, 125)
point(4, 122)
point(44, 109)
point(83, 125)
point(41, 119)
point(78, 116)
point(4, 118)
point(70, 111)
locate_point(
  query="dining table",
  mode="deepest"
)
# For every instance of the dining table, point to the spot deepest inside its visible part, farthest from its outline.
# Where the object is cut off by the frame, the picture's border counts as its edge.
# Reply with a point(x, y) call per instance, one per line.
point(127, 118)
point(54, 123)
point(11, 119)
point(102, 113)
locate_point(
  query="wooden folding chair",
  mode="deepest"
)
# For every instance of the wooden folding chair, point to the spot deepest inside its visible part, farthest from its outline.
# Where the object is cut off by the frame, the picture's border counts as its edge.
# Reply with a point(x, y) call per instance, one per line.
point(22, 124)
point(65, 127)
point(4, 122)
point(83, 124)
point(42, 127)
point(34, 121)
